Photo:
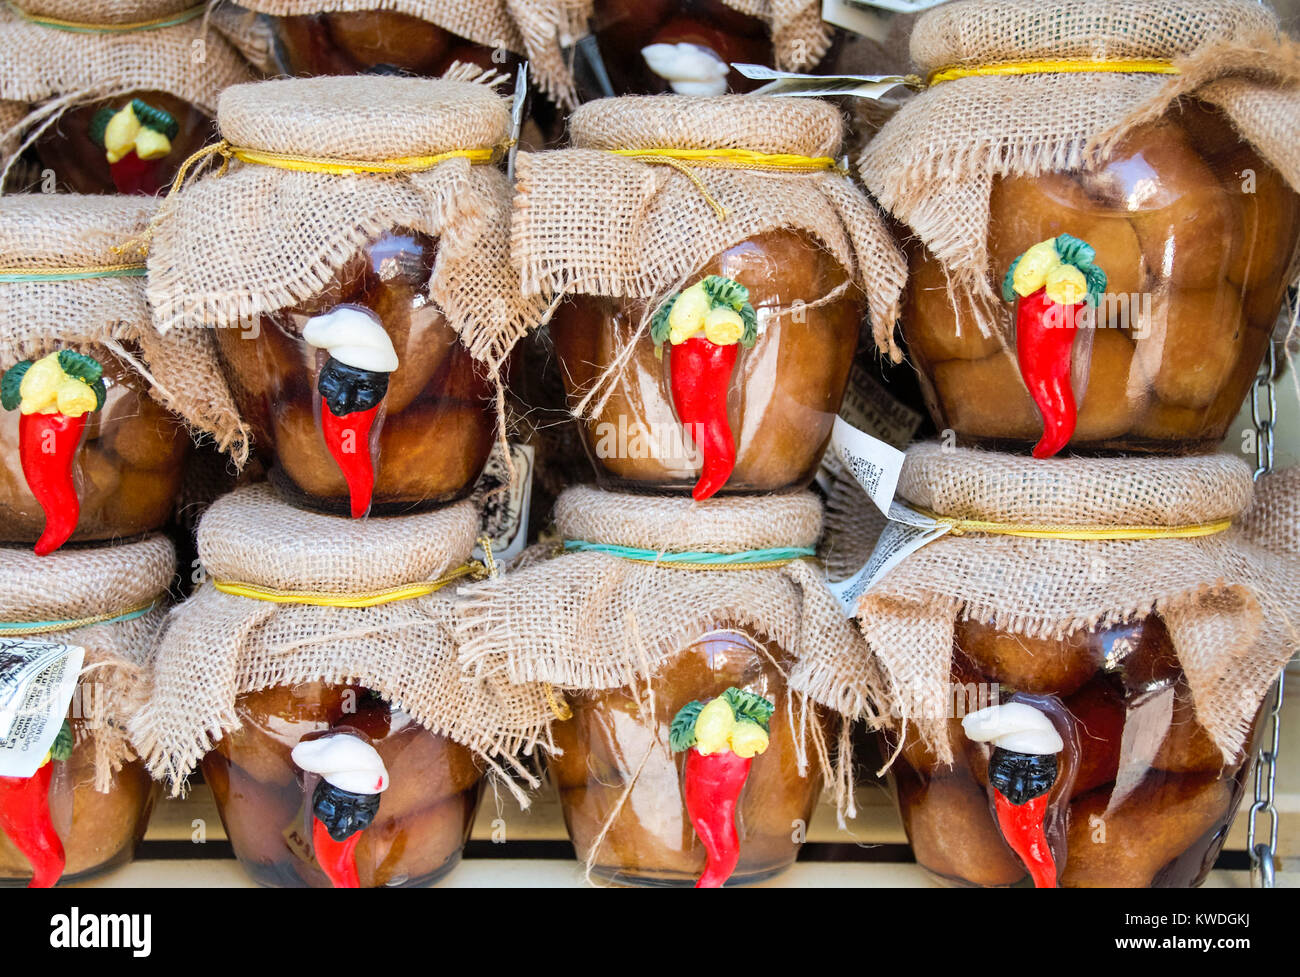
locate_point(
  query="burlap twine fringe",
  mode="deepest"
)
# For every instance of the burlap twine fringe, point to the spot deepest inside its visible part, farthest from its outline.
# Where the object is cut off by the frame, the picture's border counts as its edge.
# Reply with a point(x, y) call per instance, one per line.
point(217, 646)
point(261, 238)
point(590, 621)
point(933, 164)
point(1232, 609)
point(47, 71)
point(538, 29)
point(59, 231)
point(80, 583)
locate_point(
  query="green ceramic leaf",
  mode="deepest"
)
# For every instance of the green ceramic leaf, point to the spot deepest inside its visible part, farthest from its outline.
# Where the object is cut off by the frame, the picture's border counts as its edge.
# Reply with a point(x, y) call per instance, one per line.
point(81, 366)
point(9, 386)
point(98, 124)
point(63, 742)
point(681, 734)
point(659, 322)
point(750, 705)
point(155, 119)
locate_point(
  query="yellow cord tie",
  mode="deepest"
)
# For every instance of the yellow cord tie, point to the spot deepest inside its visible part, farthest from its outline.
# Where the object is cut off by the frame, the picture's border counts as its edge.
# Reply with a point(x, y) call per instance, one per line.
point(1148, 66)
point(961, 527)
point(559, 708)
point(684, 161)
point(320, 598)
point(82, 27)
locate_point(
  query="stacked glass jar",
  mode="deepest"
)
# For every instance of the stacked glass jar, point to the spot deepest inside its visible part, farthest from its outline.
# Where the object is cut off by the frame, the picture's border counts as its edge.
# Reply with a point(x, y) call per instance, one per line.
point(710, 266)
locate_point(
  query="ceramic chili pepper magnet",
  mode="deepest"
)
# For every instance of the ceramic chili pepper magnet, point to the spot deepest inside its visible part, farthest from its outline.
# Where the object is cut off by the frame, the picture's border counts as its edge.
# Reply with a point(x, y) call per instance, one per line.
point(345, 801)
point(134, 138)
point(1022, 771)
point(25, 815)
point(721, 740)
point(54, 394)
point(705, 326)
point(1050, 284)
point(352, 386)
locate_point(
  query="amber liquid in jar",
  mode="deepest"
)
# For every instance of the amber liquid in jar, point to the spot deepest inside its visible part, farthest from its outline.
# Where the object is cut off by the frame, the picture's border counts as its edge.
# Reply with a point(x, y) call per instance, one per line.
point(424, 816)
point(784, 392)
point(1196, 234)
point(611, 745)
point(1133, 817)
point(436, 426)
point(381, 41)
point(81, 165)
point(127, 471)
point(99, 831)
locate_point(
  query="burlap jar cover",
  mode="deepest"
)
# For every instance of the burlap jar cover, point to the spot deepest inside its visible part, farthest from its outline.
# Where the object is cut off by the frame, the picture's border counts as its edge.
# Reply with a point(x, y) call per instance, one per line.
point(65, 282)
point(538, 29)
point(55, 54)
point(312, 170)
point(109, 600)
point(591, 620)
point(1231, 607)
point(933, 164)
point(248, 628)
point(633, 210)
point(1273, 519)
point(799, 35)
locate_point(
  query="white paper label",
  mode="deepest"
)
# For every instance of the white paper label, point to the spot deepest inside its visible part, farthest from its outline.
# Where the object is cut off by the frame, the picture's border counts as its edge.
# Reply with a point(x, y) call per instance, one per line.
point(794, 84)
point(874, 464)
point(905, 533)
point(503, 505)
point(871, 408)
point(37, 682)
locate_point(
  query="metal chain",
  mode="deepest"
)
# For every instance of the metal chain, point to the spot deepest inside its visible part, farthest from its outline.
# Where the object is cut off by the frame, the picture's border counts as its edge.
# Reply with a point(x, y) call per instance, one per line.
point(1263, 855)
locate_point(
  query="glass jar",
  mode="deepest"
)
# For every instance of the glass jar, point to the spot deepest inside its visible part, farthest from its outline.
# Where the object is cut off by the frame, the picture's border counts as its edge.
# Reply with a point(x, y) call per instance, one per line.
point(99, 831)
point(616, 763)
point(782, 396)
point(624, 27)
point(361, 41)
point(436, 423)
point(1142, 796)
point(1195, 233)
point(424, 817)
point(127, 470)
point(84, 159)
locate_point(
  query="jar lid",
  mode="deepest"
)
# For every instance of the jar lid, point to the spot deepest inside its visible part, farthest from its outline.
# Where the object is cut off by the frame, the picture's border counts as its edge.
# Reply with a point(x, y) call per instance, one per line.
point(253, 536)
point(984, 32)
point(58, 230)
point(677, 524)
point(77, 582)
point(363, 117)
point(104, 11)
point(761, 124)
point(1107, 493)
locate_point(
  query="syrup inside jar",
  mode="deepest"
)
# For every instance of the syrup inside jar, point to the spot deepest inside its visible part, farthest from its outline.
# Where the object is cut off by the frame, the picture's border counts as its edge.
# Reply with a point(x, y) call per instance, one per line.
point(431, 408)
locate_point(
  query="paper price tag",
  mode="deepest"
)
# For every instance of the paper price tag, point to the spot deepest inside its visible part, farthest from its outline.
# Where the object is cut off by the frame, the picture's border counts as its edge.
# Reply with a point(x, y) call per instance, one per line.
point(37, 682)
point(504, 505)
point(870, 408)
point(794, 84)
point(905, 533)
point(874, 464)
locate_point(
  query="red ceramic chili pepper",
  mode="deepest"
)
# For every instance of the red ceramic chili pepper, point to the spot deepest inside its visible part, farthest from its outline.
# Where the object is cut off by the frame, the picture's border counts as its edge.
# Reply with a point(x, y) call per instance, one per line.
point(134, 138)
point(701, 374)
point(705, 326)
point(1022, 827)
point(345, 800)
point(720, 740)
point(337, 859)
point(1051, 282)
point(55, 394)
point(25, 819)
point(348, 441)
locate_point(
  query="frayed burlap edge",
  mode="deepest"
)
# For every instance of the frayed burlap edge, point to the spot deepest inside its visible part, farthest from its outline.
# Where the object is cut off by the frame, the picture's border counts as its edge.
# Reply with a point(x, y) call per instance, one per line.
point(253, 641)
